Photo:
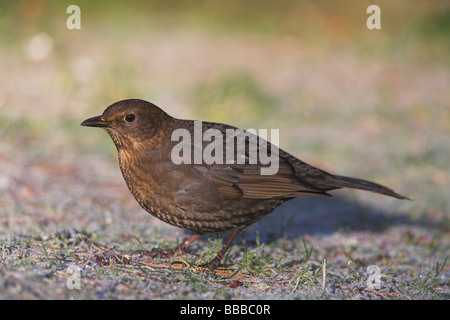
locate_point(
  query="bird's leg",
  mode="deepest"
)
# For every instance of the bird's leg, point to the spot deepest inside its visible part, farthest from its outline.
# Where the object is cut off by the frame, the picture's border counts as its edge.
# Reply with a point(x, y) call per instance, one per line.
point(181, 249)
point(214, 263)
point(186, 243)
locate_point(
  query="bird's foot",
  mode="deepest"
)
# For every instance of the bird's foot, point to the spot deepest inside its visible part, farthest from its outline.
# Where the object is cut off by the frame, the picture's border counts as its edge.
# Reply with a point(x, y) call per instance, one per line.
point(211, 265)
point(169, 253)
point(159, 253)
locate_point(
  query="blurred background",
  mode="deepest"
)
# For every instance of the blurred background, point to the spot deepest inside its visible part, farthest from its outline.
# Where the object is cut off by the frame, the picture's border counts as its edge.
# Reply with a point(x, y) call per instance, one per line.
point(368, 103)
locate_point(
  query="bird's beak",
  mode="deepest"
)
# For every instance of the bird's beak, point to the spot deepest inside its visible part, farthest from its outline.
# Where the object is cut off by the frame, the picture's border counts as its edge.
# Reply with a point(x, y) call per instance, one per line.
point(96, 122)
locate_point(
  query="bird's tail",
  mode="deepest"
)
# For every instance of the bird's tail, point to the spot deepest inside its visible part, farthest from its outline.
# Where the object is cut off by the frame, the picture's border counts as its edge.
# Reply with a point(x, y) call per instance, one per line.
point(347, 182)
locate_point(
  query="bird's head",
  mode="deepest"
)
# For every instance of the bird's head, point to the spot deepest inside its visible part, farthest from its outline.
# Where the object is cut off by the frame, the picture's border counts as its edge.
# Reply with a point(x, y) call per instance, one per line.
point(130, 122)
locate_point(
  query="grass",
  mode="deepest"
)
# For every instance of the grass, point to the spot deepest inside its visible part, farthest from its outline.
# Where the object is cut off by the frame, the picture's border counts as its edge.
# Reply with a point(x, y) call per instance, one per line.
point(352, 101)
point(250, 272)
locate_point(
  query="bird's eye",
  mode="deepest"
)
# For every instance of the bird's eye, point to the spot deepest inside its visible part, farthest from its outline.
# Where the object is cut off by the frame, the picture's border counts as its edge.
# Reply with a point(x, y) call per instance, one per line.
point(130, 117)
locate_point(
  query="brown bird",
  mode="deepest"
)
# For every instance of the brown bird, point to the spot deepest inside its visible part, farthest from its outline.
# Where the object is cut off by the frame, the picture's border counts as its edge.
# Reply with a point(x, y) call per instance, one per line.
point(207, 196)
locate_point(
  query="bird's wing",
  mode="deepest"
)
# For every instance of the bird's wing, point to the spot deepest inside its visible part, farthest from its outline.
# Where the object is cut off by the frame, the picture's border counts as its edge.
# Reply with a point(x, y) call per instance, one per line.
point(224, 181)
point(235, 181)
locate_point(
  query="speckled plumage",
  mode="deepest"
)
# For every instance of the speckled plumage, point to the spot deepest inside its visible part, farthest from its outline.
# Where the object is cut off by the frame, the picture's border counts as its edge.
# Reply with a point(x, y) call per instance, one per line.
point(205, 198)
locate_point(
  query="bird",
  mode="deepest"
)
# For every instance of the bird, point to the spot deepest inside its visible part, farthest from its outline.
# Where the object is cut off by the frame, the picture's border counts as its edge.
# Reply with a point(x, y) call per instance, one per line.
point(222, 197)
